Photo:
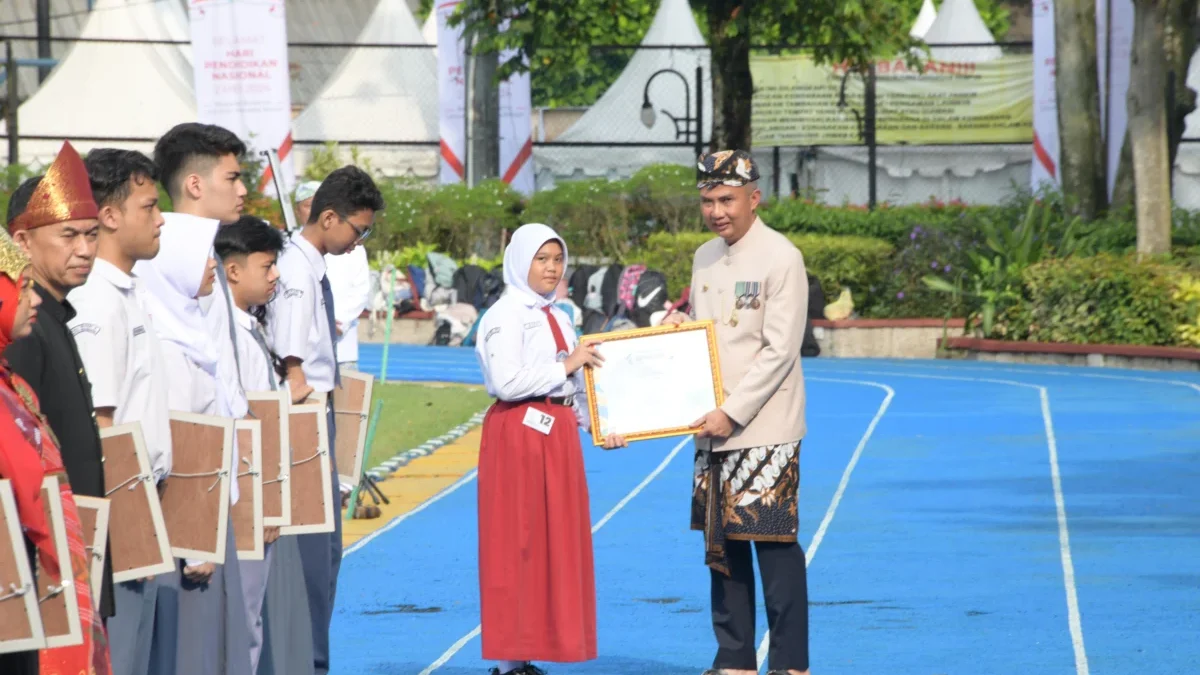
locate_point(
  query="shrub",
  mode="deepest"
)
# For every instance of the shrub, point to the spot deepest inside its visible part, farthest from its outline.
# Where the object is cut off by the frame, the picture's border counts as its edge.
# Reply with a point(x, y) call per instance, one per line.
point(454, 219)
point(1102, 299)
point(857, 263)
point(1188, 293)
point(902, 291)
point(593, 216)
point(664, 198)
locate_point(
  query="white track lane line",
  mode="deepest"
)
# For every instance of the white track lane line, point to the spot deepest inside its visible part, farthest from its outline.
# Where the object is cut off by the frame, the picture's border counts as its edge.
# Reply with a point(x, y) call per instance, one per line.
point(841, 488)
point(462, 642)
point(1074, 619)
point(405, 516)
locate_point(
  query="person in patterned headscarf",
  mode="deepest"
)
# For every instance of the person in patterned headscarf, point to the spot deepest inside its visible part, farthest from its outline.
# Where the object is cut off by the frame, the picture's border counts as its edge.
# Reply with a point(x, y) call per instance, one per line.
point(750, 281)
point(28, 452)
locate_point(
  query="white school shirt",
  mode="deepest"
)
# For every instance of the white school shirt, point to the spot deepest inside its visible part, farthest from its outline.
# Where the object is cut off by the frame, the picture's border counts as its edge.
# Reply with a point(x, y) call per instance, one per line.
point(297, 325)
point(516, 351)
point(124, 357)
point(350, 280)
point(257, 372)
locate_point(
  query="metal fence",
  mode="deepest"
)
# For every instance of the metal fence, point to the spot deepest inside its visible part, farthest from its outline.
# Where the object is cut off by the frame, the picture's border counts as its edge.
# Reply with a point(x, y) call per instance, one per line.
point(629, 107)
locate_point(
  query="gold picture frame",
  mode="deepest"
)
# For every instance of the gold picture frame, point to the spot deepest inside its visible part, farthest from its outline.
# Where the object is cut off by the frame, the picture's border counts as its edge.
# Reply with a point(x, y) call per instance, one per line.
point(629, 365)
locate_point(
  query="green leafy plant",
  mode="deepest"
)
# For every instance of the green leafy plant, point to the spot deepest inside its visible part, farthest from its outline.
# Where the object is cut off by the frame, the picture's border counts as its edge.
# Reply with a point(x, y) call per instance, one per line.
point(1102, 299)
point(593, 216)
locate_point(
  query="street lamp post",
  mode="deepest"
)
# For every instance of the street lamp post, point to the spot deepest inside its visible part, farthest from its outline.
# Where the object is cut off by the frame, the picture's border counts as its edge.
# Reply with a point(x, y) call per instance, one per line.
point(683, 125)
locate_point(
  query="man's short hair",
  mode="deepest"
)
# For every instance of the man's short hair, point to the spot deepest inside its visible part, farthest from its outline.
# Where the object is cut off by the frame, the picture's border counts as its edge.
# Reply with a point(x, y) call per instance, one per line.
point(19, 200)
point(246, 235)
point(346, 191)
point(113, 172)
point(181, 149)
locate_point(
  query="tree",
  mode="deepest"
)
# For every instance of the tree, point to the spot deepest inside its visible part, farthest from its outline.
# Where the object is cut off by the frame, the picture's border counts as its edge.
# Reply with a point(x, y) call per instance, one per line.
point(1179, 100)
point(1148, 126)
point(553, 39)
point(1082, 154)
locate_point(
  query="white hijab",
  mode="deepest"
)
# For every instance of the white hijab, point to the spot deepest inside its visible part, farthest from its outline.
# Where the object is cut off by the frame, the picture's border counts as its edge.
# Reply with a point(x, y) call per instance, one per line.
point(172, 280)
point(518, 258)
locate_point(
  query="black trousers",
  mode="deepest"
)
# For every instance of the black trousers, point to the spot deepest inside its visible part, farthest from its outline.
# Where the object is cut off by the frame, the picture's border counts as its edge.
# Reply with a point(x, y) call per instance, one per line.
point(785, 588)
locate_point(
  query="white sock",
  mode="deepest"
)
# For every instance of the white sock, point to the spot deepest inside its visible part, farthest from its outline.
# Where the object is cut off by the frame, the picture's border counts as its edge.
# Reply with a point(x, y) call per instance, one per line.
point(509, 666)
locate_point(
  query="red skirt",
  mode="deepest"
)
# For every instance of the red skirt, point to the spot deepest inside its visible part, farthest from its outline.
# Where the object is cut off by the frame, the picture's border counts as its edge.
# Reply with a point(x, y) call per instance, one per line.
point(536, 580)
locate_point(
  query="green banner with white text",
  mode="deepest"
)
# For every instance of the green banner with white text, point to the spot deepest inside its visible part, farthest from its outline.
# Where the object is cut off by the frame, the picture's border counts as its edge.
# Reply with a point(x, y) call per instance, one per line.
point(795, 102)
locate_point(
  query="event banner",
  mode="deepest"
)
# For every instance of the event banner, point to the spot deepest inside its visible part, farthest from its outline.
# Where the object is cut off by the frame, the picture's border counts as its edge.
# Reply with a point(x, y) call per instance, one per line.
point(795, 102)
point(1114, 44)
point(239, 53)
point(516, 111)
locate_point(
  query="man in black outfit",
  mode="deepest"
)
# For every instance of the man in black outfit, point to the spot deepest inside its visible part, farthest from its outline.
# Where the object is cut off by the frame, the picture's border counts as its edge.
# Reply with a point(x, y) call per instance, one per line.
point(62, 254)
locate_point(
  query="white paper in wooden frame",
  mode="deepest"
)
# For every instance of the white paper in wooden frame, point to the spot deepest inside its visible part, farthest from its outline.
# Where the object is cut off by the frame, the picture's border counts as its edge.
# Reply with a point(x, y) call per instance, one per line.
point(280, 474)
point(220, 484)
point(250, 466)
point(99, 536)
point(65, 588)
point(143, 481)
point(315, 406)
point(22, 589)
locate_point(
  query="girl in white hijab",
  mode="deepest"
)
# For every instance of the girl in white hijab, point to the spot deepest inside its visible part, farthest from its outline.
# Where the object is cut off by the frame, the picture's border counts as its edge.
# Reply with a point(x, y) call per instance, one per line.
point(211, 610)
point(537, 585)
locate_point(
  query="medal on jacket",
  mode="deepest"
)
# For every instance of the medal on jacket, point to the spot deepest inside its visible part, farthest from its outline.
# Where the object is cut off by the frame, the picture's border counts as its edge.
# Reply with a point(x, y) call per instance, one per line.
point(755, 289)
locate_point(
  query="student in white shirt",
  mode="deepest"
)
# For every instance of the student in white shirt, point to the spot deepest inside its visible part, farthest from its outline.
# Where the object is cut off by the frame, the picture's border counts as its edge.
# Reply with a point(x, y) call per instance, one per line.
point(120, 348)
point(301, 323)
point(249, 249)
point(536, 575)
point(213, 637)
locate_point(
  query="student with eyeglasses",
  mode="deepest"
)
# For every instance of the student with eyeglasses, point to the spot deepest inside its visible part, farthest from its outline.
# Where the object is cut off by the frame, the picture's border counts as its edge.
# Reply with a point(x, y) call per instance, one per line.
point(303, 331)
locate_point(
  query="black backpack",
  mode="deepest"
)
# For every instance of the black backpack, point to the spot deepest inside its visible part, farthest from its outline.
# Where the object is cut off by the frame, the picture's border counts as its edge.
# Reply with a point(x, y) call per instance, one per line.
point(593, 322)
point(816, 310)
point(466, 284)
point(650, 296)
point(610, 292)
point(577, 285)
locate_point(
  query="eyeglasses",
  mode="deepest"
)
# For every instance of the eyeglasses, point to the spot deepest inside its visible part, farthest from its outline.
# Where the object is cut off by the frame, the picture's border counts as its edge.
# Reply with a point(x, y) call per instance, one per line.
point(362, 232)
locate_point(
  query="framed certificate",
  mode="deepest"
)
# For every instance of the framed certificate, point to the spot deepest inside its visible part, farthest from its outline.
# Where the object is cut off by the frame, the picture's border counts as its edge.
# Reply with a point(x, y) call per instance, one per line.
point(195, 502)
point(311, 479)
point(138, 543)
point(93, 516)
point(56, 595)
point(21, 627)
point(247, 514)
point(655, 382)
point(271, 409)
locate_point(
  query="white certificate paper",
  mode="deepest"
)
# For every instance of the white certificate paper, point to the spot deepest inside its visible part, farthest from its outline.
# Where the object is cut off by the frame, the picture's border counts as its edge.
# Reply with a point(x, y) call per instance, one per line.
point(654, 382)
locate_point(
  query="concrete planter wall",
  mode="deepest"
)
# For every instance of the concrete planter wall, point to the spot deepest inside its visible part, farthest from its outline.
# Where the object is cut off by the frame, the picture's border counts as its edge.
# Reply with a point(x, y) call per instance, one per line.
point(1053, 353)
point(883, 338)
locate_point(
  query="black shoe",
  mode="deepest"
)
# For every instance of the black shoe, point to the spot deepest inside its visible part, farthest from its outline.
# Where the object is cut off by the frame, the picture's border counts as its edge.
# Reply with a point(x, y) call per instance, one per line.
point(529, 669)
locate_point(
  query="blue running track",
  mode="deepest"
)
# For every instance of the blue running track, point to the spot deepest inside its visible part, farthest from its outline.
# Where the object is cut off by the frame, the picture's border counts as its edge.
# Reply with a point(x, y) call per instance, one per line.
point(960, 519)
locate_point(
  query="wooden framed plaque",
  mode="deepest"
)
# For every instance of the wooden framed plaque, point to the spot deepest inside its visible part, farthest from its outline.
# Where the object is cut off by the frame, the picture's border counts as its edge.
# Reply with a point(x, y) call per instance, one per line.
point(195, 502)
point(56, 594)
point(93, 516)
point(137, 536)
point(248, 512)
point(351, 408)
point(655, 382)
point(20, 619)
point(271, 409)
point(310, 481)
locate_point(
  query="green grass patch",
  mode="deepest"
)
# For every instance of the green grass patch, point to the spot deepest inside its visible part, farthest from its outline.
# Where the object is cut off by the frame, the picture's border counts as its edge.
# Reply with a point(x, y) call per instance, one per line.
point(415, 413)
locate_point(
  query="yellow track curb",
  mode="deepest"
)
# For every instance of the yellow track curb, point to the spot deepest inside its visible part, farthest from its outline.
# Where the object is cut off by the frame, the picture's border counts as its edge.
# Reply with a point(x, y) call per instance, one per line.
point(411, 485)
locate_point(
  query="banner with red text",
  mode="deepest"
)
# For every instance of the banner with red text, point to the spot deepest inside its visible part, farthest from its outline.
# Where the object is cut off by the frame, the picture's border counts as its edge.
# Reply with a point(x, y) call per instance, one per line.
point(240, 60)
point(516, 111)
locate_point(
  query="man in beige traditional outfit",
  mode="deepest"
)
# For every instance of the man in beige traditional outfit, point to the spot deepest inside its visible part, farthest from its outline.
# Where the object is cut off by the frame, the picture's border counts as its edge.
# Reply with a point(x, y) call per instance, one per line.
point(751, 282)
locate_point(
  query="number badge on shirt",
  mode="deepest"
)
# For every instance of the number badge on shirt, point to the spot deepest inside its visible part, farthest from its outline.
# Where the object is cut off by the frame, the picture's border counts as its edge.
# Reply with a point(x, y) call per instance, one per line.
point(538, 421)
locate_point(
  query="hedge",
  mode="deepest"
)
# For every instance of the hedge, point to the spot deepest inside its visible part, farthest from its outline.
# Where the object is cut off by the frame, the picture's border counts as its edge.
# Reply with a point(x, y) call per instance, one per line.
point(1102, 299)
point(857, 263)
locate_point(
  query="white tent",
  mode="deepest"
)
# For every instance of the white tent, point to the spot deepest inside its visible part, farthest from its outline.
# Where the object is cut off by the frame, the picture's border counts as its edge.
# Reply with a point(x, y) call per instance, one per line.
point(430, 30)
point(924, 20)
point(618, 115)
point(379, 94)
point(958, 22)
point(114, 90)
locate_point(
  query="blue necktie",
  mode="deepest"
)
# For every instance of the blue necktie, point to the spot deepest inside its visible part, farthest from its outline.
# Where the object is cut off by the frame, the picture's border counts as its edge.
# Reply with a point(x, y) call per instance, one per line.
point(327, 294)
point(262, 344)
